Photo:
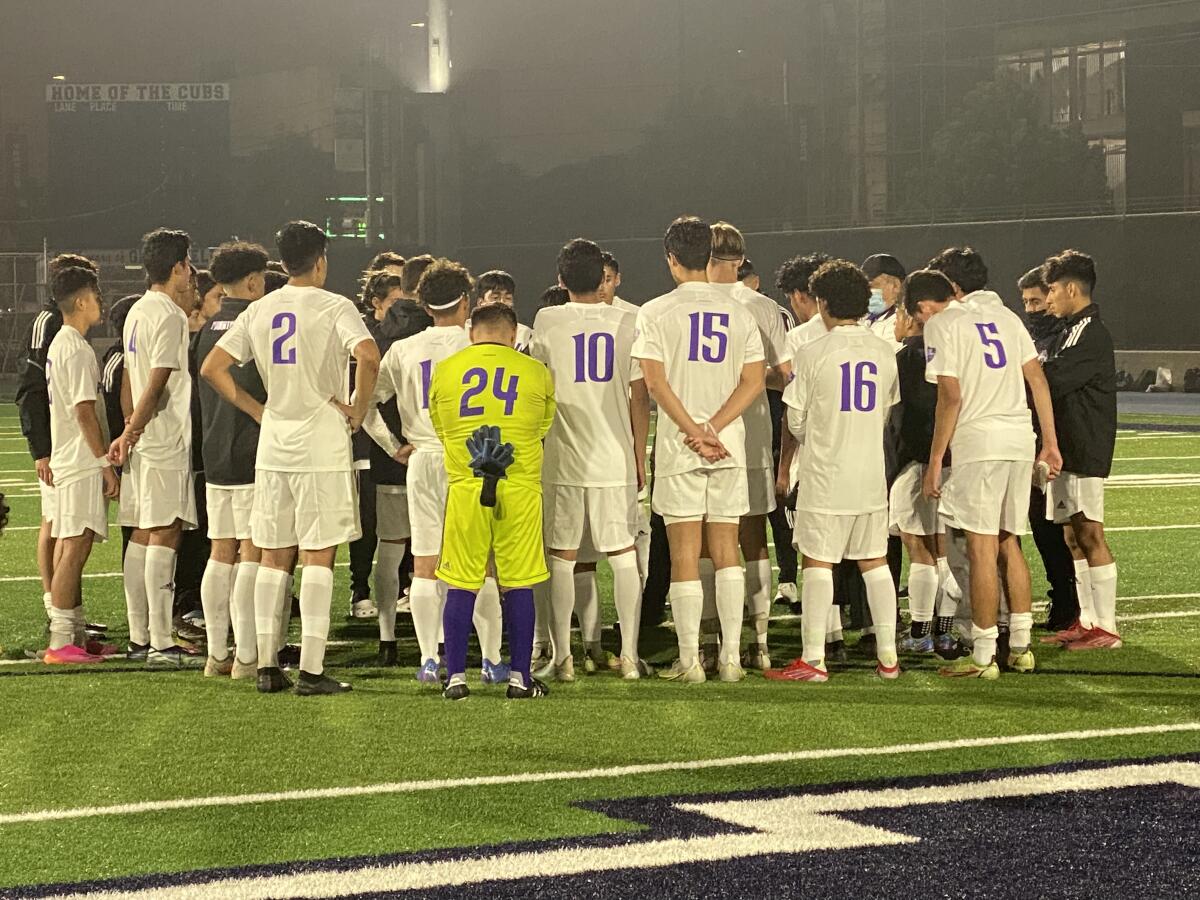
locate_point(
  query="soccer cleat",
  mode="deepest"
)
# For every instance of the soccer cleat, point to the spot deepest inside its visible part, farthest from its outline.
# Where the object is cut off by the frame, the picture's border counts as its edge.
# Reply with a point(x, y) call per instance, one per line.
point(186, 631)
point(948, 648)
point(428, 673)
point(99, 648)
point(363, 609)
point(272, 680)
point(910, 644)
point(494, 673)
point(214, 668)
point(887, 673)
point(540, 656)
point(1066, 636)
point(186, 645)
point(709, 654)
point(289, 656)
point(243, 671)
point(320, 685)
point(137, 652)
point(798, 670)
point(535, 690)
point(175, 657)
point(387, 654)
point(545, 670)
point(456, 690)
point(70, 655)
point(786, 594)
point(835, 651)
point(565, 670)
point(598, 660)
point(195, 618)
point(1096, 639)
point(95, 626)
point(731, 671)
point(630, 670)
point(404, 603)
point(1022, 662)
point(756, 657)
point(692, 674)
point(966, 667)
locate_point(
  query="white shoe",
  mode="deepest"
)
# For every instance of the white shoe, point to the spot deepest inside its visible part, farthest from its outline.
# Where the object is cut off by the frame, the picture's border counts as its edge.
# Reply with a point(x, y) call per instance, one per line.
point(692, 674)
point(364, 609)
point(565, 671)
point(786, 593)
point(403, 605)
point(630, 669)
point(732, 671)
point(756, 657)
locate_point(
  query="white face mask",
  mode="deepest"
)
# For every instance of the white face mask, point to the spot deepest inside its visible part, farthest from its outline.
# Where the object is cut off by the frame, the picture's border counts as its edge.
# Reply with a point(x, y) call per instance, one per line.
point(876, 305)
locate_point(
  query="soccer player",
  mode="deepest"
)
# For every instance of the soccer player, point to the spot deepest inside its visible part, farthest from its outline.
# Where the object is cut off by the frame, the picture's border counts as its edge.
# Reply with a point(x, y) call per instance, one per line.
point(230, 444)
point(981, 358)
point(728, 254)
point(497, 286)
point(405, 375)
point(84, 480)
point(887, 278)
point(387, 261)
point(612, 281)
point(1081, 371)
point(844, 384)
point(491, 406)
point(155, 449)
point(595, 451)
point(702, 361)
point(301, 338)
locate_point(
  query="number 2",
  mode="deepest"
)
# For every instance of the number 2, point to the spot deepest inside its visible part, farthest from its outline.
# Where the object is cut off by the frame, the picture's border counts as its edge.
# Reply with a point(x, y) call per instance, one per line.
point(477, 379)
point(993, 350)
point(281, 354)
point(858, 393)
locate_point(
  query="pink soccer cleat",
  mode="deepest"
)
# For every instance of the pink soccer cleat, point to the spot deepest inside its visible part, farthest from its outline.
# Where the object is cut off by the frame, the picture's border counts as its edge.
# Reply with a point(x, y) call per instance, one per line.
point(797, 670)
point(1066, 636)
point(70, 655)
point(1096, 639)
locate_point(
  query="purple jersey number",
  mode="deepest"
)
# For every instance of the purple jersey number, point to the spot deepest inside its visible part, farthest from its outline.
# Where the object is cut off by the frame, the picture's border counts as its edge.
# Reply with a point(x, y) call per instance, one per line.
point(281, 353)
point(709, 337)
point(858, 390)
point(594, 356)
point(426, 379)
point(993, 351)
point(132, 348)
point(49, 392)
point(477, 381)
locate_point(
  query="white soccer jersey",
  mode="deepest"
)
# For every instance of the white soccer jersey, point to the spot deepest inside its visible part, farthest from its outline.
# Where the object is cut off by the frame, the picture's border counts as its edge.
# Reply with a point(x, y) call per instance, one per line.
point(885, 328)
point(523, 340)
point(300, 338)
point(984, 345)
point(703, 339)
point(156, 337)
point(406, 373)
point(71, 378)
point(624, 305)
point(845, 385)
point(587, 348)
point(801, 335)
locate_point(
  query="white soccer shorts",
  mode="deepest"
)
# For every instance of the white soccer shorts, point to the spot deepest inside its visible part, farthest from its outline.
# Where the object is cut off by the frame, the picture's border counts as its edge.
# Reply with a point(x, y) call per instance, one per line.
point(760, 484)
point(988, 496)
point(391, 512)
point(427, 487)
point(708, 495)
point(48, 504)
point(1069, 494)
point(607, 515)
point(230, 507)
point(830, 537)
point(910, 511)
point(309, 510)
point(81, 506)
point(154, 498)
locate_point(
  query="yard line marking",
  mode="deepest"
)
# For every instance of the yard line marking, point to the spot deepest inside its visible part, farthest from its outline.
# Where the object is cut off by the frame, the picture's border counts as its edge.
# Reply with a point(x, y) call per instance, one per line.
point(1151, 527)
point(1161, 597)
point(439, 784)
point(1179, 614)
point(1117, 459)
point(1155, 436)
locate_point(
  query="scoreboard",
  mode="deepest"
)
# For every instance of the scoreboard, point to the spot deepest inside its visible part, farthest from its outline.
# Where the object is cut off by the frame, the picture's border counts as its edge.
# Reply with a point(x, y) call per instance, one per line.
point(126, 158)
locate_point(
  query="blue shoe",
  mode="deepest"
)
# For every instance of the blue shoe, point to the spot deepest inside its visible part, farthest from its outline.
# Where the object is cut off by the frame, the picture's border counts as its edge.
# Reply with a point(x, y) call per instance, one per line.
point(947, 647)
point(494, 673)
point(910, 644)
point(428, 673)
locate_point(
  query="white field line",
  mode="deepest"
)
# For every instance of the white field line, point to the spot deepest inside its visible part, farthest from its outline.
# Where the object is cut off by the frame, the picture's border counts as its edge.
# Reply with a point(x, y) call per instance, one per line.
point(1178, 614)
point(1118, 459)
point(1151, 527)
point(1157, 435)
point(441, 784)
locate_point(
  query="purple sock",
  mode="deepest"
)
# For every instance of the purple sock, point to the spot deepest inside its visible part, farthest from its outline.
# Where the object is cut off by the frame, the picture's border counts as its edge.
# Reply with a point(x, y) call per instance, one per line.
point(456, 623)
point(518, 616)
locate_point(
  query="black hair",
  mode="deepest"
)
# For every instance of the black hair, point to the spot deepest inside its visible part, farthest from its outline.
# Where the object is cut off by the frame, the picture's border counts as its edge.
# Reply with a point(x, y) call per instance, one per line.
point(495, 280)
point(162, 250)
point(1032, 280)
point(120, 311)
point(844, 288)
point(273, 281)
point(234, 261)
point(1071, 265)
point(443, 282)
point(274, 265)
point(67, 260)
point(795, 274)
point(581, 266)
point(962, 265)
point(4, 511)
point(610, 261)
point(494, 314)
point(385, 258)
point(67, 284)
point(746, 269)
point(204, 283)
point(414, 268)
point(301, 246)
point(925, 284)
point(883, 264)
point(689, 240)
point(379, 285)
point(555, 295)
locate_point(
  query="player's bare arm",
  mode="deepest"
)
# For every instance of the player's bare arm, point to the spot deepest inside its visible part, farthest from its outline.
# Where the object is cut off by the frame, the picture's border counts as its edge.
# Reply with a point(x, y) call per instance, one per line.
point(639, 417)
point(366, 355)
point(89, 427)
point(1044, 407)
point(655, 376)
point(779, 376)
point(751, 383)
point(949, 402)
point(787, 452)
point(216, 371)
point(141, 416)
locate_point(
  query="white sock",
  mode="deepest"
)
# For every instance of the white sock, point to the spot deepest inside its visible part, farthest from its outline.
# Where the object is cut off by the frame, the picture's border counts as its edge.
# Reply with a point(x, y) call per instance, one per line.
point(687, 603)
point(387, 586)
point(1083, 589)
point(425, 601)
point(242, 609)
point(270, 589)
point(562, 604)
point(627, 596)
point(881, 598)
point(922, 591)
point(587, 606)
point(1104, 597)
point(1020, 631)
point(541, 615)
point(816, 601)
point(487, 620)
point(984, 644)
point(758, 596)
point(47, 601)
point(833, 628)
point(642, 548)
point(283, 611)
point(730, 584)
point(137, 608)
point(316, 598)
point(215, 588)
point(948, 583)
point(160, 594)
point(62, 628)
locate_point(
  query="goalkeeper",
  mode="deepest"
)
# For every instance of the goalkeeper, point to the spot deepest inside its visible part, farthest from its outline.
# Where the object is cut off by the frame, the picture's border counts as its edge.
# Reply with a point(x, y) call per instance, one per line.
point(491, 406)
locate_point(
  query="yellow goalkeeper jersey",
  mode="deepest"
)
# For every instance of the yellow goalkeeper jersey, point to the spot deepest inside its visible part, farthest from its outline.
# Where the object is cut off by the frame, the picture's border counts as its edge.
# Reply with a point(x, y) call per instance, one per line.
point(490, 384)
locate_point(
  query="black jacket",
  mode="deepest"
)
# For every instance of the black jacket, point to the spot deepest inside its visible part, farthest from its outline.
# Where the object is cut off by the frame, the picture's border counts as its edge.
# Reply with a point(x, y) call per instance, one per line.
point(33, 398)
point(112, 370)
point(913, 417)
point(384, 469)
point(1082, 373)
point(229, 436)
point(1045, 330)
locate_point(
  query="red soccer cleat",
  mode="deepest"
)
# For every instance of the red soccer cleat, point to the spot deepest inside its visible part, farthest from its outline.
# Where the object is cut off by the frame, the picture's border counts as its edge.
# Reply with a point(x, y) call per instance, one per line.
point(1096, 639)
point(887, 673)
point(97, 648)
point(1074, 633)
point(70, 655)
point(797, 670)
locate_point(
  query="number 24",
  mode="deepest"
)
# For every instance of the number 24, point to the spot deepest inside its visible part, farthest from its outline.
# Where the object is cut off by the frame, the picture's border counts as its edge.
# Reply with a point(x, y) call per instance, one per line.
point(477, 380)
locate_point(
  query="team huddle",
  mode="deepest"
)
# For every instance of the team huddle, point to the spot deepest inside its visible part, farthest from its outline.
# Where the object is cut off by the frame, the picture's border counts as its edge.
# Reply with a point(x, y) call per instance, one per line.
point(505, 461)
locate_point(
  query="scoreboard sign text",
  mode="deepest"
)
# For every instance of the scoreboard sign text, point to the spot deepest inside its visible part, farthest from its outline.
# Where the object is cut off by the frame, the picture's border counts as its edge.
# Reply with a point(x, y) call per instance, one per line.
point(65, 97)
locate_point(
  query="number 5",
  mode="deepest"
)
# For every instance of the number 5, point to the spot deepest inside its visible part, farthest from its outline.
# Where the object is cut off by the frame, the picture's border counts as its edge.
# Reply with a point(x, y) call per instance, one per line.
point(993, 350)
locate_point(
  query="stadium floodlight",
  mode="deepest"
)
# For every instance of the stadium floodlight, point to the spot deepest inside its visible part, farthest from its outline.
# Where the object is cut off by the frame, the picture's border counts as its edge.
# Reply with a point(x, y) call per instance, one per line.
point(58, 77)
